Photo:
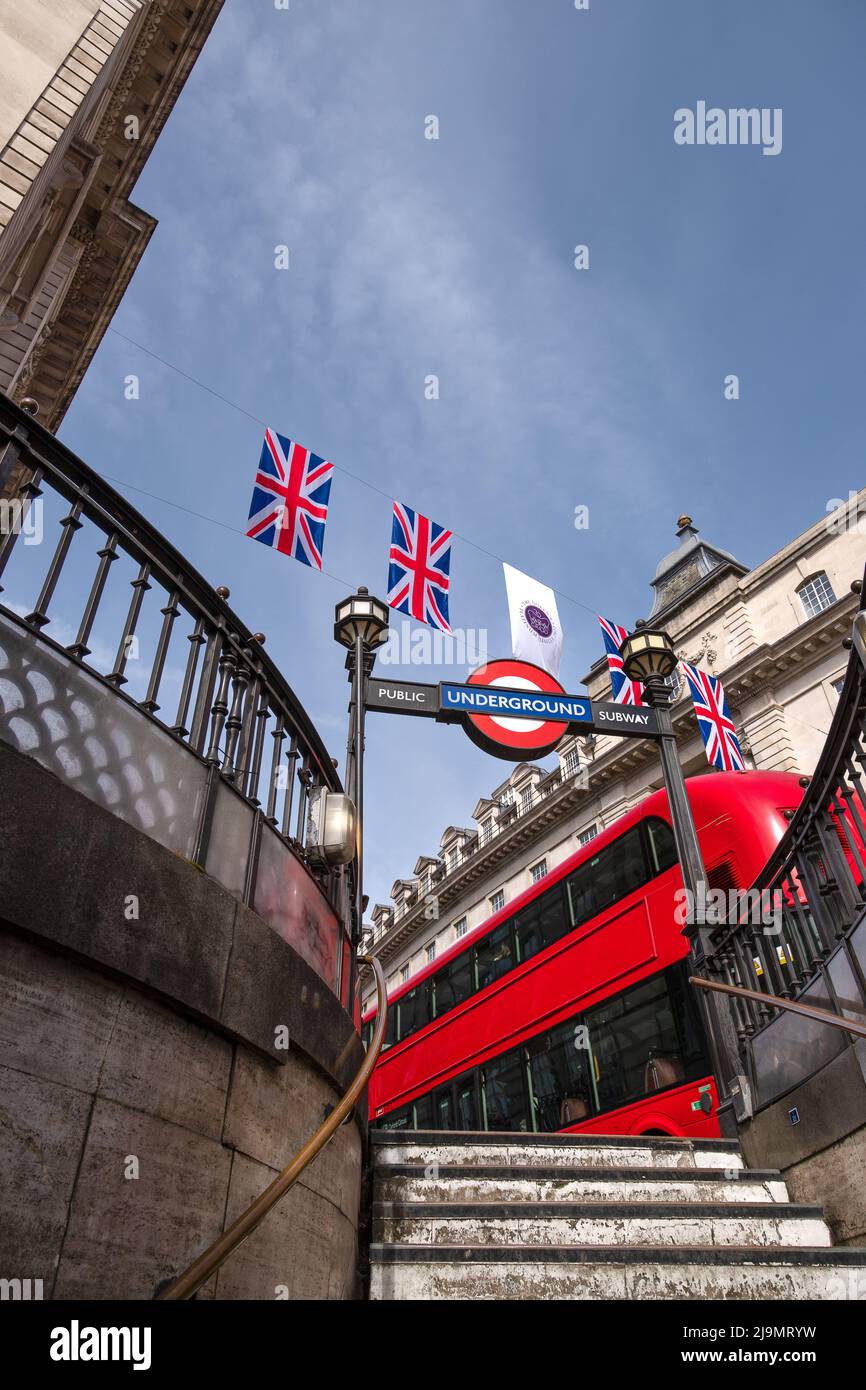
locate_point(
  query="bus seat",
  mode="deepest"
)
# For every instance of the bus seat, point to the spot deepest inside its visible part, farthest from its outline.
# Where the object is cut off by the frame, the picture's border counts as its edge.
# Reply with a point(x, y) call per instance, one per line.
point(572, 1109)
point(662, 1070)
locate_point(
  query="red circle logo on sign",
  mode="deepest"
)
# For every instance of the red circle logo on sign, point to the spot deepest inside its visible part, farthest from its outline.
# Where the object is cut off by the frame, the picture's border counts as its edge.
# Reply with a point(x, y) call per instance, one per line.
point(518, 740)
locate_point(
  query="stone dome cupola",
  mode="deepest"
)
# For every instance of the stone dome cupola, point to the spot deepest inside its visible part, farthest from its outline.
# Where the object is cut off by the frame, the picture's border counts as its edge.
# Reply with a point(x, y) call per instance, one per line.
point(686, 568)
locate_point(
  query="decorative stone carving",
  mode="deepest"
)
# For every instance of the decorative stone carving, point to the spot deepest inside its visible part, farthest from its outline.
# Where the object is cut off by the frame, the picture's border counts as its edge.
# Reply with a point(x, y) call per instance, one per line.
point(115, 109)
point(706, 654)
point(109, 228)
point(32, 361)
point(67, 175)
point(81, 231)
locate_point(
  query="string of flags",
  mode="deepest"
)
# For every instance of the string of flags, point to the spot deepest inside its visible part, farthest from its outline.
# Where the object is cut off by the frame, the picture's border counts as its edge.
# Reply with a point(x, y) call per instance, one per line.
point(289, 512)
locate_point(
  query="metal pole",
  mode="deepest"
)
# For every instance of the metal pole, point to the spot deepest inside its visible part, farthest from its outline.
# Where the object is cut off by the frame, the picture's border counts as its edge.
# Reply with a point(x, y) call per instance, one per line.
point(355, 780)
point(358, 740)
point(721, 1035)
point(682, 821)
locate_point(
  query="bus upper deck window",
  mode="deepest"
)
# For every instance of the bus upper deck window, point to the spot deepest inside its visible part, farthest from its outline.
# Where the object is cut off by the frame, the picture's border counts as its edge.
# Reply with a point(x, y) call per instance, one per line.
point(494, 955)
point(662, 850)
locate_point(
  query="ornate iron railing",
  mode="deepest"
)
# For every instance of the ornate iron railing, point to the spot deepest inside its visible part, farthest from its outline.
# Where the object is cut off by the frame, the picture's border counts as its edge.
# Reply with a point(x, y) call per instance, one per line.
point(168, 731)
point(800, 933)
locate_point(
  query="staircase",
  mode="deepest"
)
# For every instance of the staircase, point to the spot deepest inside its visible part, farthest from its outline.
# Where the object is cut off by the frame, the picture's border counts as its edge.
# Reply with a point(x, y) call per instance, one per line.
point(490, 1216)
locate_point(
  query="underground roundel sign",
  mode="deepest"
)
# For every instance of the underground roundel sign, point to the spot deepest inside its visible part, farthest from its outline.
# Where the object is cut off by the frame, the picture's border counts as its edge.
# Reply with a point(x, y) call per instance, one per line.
point(518, 740)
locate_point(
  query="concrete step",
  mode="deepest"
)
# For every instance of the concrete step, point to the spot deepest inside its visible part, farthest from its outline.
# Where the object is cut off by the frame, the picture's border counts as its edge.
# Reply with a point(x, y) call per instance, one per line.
point(598, 1223)
point(406, 1182)
point(465, 1148)
point(598, 1272)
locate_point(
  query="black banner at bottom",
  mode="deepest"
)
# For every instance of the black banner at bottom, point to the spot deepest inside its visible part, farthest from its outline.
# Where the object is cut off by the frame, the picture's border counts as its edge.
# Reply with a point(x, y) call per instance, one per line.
point(226, 1340)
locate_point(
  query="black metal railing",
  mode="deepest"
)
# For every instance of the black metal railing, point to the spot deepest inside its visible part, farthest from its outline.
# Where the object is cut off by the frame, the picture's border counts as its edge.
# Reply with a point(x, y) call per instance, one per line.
point(191, 734)
point(800, 933)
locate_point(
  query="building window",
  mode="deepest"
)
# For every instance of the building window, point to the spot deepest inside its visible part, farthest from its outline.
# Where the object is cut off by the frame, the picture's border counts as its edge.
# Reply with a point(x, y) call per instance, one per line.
point(404, 973)
point(486, 830)
point(497, 901)
point(460, 928)
point(538, 871)
point(589, 834)
point(525, 800)
point(431, 952)
point(571, 762)
point(816, 595)
point(453, 859)
point(672, 683)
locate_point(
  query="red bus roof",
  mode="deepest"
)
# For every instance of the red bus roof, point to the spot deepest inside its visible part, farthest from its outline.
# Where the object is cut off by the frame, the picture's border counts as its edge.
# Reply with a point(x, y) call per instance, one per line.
point(709, 795)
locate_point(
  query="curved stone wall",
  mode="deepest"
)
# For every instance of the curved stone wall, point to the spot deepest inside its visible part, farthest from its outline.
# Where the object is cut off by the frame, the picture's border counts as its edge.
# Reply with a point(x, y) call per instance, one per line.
point(147, 1094)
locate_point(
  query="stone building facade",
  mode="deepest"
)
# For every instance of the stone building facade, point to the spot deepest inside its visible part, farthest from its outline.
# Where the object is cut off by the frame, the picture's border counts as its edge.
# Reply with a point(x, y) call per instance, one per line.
point(774, 635)
point(87, 86)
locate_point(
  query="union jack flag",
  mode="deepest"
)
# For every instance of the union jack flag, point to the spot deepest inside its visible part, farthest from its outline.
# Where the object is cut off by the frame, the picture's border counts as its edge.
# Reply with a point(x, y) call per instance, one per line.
point(625, 691)
point(714, 720)
point(290, 500)
point(419, 574)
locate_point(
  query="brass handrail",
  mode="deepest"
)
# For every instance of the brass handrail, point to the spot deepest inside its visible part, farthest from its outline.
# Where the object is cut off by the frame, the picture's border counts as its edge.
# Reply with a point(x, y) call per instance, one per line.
point(192, 1278)
point(807, 1010)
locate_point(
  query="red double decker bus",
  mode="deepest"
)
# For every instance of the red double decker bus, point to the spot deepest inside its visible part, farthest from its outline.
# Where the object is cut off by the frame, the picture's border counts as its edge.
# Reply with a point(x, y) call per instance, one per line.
point(570, 1009)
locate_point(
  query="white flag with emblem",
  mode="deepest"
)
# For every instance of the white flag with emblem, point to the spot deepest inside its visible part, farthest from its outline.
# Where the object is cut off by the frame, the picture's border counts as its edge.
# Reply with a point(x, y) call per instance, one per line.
point(536, 634)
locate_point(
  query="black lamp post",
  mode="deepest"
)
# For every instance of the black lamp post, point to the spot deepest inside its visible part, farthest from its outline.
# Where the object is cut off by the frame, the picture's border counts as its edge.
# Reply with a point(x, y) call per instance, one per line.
point(361, 625)
point(648, 656)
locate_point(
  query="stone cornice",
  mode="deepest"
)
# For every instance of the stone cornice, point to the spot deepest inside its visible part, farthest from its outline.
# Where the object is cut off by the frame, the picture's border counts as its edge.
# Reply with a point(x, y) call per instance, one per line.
point(798, 548)
point(761, 668)
point(114, 231)
point(151, 20)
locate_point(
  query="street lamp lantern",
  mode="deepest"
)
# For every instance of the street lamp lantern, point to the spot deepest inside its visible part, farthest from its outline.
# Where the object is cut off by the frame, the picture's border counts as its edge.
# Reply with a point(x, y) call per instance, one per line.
point(331, 837)
point(361, 618)
point(648, 654)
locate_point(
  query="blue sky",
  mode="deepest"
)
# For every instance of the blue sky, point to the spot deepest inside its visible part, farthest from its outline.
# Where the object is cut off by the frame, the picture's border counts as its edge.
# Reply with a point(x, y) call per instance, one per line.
point(558, 388)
